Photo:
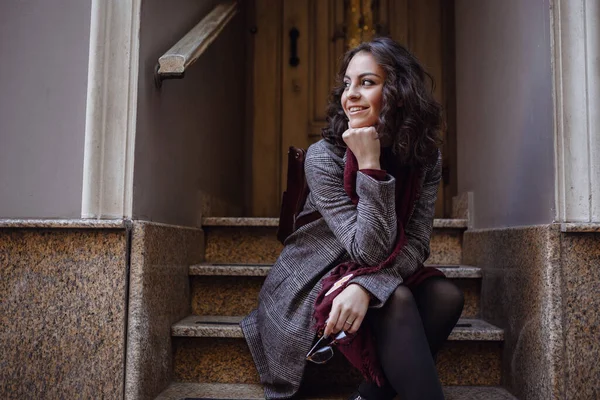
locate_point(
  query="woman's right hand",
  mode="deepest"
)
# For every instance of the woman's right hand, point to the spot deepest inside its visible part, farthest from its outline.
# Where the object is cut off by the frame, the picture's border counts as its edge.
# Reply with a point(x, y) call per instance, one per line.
point(348, 310)
point(365, 145)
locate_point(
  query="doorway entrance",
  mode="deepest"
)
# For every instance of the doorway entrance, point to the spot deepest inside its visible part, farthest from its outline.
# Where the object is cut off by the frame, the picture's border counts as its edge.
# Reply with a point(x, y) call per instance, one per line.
point(296, 46)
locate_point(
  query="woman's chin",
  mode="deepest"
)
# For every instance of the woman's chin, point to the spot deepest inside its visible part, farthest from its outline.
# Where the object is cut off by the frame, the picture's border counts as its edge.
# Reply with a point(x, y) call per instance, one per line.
point(360, 123)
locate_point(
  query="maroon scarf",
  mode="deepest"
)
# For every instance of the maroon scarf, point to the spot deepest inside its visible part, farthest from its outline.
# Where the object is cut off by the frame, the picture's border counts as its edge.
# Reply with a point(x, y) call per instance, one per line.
point(360, 349)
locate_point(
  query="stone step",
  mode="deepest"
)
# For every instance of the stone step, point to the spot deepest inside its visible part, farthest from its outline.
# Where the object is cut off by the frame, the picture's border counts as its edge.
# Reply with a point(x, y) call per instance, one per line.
point(274, 222)
point(212, 350)
point(467, 329)
point(232, 289)
point(253, 240)
point(451, 271)
point(224, 391)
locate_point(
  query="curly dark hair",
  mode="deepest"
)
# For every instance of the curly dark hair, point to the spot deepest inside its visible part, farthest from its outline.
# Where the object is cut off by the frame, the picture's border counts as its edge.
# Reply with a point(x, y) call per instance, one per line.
point(410, 118)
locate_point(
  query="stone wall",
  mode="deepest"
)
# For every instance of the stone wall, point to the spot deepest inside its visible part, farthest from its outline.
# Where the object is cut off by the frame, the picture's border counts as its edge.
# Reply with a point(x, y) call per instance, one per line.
point(159, 295)
point(542, 286)
point(62, 312)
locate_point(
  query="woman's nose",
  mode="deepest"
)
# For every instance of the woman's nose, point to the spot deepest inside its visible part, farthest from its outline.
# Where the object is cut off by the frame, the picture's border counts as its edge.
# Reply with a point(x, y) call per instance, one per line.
point(353, 93)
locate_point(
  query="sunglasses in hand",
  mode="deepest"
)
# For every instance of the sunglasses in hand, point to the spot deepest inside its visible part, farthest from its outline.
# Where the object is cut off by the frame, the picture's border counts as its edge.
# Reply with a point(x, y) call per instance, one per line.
point(322, 351)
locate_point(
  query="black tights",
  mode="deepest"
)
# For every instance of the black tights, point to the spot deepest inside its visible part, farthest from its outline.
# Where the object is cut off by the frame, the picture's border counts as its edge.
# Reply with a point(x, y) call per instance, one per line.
point(410, 329)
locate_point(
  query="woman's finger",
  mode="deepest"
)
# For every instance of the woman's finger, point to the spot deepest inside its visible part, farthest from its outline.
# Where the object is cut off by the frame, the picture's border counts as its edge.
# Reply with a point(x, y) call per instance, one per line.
point(331, 322)
point(356, 324)
point(341, 322)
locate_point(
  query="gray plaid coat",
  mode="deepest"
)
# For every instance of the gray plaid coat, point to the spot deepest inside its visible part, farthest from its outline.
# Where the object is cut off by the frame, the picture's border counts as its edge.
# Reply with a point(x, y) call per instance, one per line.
point(279, 332)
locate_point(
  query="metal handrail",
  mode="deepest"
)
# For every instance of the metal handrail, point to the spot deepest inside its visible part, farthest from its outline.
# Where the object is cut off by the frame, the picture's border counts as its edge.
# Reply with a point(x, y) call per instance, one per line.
point(173, 64)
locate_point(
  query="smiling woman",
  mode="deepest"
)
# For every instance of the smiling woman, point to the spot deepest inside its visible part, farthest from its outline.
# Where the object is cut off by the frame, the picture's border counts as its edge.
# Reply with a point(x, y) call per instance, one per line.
point(359, 269)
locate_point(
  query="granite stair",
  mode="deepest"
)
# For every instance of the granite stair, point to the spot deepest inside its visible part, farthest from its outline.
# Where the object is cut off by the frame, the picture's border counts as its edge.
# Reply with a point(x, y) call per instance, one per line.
point(195, 391)
point(212, 361)
point(211, 349)
point(232, 289)
point(254, 241)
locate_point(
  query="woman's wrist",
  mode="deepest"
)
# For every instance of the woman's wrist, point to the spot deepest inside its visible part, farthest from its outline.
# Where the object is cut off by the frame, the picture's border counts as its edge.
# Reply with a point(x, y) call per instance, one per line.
point(369, 165)
point(365, 291)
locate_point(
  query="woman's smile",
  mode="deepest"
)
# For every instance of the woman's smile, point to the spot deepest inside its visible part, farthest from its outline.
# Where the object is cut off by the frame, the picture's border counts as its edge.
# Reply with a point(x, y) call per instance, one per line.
point(355, 110)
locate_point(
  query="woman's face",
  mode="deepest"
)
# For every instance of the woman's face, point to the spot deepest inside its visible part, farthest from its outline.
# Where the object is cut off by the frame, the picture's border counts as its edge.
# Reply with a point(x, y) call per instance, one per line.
point(362, 98)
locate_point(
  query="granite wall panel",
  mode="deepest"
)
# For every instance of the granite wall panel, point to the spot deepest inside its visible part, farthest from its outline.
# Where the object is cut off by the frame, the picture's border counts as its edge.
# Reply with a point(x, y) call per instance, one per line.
point(159, 296)
point(521, 294)
point(62, 313)
point(580, 259)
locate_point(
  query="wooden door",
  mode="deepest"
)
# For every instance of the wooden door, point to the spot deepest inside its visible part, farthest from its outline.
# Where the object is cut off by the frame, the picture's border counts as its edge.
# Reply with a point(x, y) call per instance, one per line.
point(297, 46)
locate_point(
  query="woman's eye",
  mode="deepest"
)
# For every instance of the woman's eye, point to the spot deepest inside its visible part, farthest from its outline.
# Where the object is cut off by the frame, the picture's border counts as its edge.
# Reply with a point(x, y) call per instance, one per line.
point(367, 82)
point(346, 84)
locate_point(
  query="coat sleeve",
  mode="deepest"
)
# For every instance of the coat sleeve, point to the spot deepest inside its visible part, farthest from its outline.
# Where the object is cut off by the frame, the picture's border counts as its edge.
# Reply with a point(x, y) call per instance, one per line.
point(368, 230)
point(381, 284)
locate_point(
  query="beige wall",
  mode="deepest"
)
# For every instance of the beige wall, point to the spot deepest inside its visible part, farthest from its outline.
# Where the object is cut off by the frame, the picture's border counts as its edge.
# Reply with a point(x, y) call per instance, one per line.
point(44, 48)
point(505, 111)
point(189, 138)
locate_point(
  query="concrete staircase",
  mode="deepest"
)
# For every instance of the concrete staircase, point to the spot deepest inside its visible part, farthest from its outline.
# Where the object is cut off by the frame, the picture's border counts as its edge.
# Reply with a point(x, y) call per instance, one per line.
point(211, 359)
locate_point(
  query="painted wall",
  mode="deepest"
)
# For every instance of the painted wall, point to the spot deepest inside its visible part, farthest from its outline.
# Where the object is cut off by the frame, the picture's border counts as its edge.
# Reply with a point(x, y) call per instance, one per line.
point(189, 140)
point(43, 76)
point(505, 110)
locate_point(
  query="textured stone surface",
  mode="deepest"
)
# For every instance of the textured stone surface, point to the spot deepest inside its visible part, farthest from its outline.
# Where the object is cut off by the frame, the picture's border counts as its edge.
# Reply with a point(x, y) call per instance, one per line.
point(237, 295)
point(177, 391)
point(470, 363)
point(471, 289)
point(259, 245)
point(521, 294)
point(446, 246)
point(581, 227)
point(477, 393)
point(274, 222)
point(451, 271)
point(62, 313)
point(252, 245)
point(475, 329)
point(159, 295)
point(225, 295)
point(460, 206)
point(208, 326)
point(580, 257)
point(230, 269)
point(227, 360)
point(227, 327)
point(208, 360)
point(229, 221)
point(450, 223)
point(64, 223)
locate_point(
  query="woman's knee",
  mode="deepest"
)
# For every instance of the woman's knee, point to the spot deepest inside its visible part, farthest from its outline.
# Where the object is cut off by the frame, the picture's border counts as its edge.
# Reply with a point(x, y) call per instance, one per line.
point(401, 299)
point(448, 294)
point(398, 310)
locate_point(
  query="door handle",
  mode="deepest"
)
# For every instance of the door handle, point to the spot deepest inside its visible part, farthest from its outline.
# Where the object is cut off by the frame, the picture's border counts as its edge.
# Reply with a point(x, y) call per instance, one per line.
point(294, 34)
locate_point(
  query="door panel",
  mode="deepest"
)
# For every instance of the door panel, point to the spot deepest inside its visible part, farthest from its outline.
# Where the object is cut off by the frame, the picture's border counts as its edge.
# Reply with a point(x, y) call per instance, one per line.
point(425, 42)
point(264, 28)
point(306, 86)
point(290, 101)
point(295, 110)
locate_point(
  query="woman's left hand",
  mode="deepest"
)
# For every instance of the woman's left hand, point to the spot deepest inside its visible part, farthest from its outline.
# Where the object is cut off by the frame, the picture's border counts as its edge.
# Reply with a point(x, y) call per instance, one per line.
point(348, 310)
